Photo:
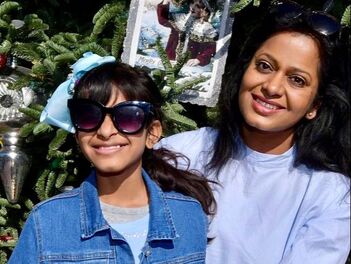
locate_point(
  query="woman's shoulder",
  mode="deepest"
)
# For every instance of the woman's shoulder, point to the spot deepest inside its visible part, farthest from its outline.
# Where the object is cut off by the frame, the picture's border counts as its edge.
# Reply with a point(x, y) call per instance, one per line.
point(328, 188)
point(331, 181)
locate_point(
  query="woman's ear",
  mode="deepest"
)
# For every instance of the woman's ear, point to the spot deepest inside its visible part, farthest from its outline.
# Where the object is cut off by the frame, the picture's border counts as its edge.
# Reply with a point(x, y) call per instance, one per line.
point(312, 113)
point(154, 133)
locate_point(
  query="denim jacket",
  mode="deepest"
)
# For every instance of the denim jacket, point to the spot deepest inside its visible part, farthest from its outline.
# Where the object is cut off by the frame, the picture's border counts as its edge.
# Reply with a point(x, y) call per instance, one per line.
point(70, 228)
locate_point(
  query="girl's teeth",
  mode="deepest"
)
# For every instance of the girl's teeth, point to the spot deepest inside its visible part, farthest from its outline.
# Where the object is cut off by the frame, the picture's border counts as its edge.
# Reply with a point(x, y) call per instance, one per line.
point(273, 107)
point(111, 147)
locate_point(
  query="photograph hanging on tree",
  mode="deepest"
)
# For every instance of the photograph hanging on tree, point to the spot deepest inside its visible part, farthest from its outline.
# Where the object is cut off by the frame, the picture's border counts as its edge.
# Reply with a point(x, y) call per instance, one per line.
point(195, 33)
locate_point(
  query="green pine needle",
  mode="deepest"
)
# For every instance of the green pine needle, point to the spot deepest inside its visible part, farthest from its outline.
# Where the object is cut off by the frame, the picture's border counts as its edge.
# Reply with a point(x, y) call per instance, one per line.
point(65, 58)
point(8, 6)
point(41, 183)
point(41, 128)
point(31, 112)
point(27, 129)
point(346, 17)
point(57, 47)
point(238, 6)
point(26, 51)
point(174, 116)
point(6, 203)
point(58, 140)
point(5, 46)
point(60, 181)
point(50, 183)
point(106, 16)
point(93, 47)
point(3, 24)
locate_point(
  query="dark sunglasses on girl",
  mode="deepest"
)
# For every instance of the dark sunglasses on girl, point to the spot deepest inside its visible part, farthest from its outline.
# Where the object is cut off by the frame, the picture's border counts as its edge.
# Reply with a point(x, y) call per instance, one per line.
point(128, 117)
point(321, 22)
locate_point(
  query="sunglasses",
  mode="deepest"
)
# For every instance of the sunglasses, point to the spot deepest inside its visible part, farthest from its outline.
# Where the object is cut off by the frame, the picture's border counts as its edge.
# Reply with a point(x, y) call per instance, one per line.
point(128, 117)
point(321, 22)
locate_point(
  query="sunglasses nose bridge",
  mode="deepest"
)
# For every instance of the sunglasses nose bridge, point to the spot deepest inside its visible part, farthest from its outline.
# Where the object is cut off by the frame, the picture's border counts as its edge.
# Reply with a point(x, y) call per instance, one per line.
point(110, 113)
point(108, 125)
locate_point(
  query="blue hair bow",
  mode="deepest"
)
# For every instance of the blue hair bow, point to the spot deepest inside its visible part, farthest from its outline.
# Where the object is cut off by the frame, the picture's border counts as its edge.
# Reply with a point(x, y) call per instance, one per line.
point(56, 111)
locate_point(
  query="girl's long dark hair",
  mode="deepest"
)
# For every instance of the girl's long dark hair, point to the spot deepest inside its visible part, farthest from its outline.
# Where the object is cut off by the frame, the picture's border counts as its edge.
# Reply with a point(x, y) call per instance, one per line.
point(161, 164)
point(322, 143)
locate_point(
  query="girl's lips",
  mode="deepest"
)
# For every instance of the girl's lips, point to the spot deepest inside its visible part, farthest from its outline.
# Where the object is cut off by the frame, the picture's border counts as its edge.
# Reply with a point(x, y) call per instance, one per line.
point(108, 149)
point(265, 107)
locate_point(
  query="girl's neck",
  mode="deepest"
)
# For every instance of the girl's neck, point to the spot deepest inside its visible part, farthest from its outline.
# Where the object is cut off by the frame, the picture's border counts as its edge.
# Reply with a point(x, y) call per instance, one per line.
point(124, 189)
point(267, 142)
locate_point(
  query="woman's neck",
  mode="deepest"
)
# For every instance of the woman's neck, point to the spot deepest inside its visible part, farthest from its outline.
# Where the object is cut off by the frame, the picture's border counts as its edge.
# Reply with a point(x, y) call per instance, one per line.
point(124, 189)
point(267, 142)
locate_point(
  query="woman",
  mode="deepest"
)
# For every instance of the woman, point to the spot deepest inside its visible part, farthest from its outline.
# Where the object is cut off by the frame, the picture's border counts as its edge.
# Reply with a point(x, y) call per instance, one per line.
point(134, 207)
point(281, 150)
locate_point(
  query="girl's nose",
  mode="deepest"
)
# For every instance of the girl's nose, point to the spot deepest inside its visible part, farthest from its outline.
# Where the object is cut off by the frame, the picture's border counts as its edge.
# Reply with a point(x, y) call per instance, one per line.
point(107, 128)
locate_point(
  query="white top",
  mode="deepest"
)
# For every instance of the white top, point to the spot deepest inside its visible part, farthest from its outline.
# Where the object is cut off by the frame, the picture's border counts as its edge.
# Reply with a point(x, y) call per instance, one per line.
point(131, 223)
point(269, 211)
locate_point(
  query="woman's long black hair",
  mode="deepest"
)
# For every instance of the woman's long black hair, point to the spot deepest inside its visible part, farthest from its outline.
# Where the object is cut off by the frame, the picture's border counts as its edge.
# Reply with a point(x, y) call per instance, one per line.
point(322, 143)
point(161, 163)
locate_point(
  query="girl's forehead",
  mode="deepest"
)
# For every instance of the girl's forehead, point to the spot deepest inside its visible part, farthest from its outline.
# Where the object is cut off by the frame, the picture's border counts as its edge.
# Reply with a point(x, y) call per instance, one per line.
point(118, 93)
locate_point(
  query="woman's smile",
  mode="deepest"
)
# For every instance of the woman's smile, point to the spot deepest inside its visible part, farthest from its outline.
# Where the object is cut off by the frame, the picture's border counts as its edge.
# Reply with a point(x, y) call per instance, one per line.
point(265, 107)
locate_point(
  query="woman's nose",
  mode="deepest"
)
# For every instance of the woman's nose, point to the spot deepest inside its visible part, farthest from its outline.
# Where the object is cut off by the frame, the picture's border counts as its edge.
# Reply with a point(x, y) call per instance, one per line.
point(107, 128)
point(274, 85)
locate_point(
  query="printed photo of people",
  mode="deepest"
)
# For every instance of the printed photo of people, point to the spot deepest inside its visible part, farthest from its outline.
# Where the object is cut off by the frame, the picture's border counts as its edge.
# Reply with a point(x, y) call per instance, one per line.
point(192, 28)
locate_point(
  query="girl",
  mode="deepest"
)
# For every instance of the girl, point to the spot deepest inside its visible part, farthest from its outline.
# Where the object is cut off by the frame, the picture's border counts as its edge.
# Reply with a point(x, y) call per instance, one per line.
point(122, 213)
point(281, 150)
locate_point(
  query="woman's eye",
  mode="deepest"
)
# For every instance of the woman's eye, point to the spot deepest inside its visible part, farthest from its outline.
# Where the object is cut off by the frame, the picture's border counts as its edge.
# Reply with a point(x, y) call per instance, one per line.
point(297, 81)
point(263, 66)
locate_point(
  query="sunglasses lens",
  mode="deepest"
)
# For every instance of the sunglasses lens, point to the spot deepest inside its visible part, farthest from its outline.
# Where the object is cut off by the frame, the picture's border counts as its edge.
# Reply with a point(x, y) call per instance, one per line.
point(130, 119)
point(288, 10)
point(86, 116)
point(324, 24)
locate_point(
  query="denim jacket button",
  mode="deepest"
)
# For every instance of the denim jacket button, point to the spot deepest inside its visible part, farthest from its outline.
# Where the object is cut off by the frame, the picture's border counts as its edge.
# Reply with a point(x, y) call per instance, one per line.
point(147, 253)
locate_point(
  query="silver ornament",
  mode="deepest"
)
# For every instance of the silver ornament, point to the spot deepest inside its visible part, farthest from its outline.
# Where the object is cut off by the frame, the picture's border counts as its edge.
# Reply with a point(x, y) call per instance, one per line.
point(14, 164)
point(12, 100)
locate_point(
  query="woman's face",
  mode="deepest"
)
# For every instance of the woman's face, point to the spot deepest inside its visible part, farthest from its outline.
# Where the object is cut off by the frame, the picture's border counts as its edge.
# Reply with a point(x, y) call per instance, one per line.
point(280, 83)
point(111, 151)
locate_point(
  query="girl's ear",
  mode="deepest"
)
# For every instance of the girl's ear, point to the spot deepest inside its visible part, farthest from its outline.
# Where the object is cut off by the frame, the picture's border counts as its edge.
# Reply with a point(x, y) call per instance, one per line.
point(154, 133)
point(76, 137)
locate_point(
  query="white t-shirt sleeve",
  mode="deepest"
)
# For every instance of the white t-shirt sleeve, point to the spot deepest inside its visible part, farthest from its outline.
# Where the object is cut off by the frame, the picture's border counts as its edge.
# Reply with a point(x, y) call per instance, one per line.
point(325, 236)
point(195, 145)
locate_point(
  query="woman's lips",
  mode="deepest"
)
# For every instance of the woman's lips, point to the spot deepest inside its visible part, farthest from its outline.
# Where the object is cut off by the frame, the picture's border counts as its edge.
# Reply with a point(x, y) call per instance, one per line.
point(265, 107)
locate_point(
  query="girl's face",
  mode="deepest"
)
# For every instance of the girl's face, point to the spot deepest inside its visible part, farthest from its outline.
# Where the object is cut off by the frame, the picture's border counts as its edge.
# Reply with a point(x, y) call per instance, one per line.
point(280, 83)
point(113, 152)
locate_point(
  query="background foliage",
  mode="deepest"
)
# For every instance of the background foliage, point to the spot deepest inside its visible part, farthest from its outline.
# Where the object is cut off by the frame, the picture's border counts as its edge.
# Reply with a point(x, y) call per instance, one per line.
point(55, 34)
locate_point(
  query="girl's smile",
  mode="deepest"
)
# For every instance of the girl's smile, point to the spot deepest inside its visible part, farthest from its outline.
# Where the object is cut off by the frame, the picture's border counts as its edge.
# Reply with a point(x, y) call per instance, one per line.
point(108, 149)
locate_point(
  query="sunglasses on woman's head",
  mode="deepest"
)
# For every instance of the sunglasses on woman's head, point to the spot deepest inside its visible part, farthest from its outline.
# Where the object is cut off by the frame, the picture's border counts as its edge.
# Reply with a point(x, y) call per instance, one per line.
point(128, 117)
point(321, 22)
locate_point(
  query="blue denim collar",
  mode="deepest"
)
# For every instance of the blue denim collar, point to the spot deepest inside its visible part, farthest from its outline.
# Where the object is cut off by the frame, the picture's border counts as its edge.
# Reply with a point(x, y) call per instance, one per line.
point(161, 226)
